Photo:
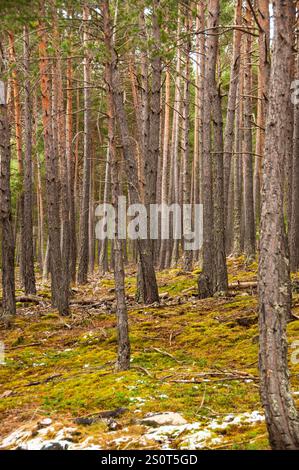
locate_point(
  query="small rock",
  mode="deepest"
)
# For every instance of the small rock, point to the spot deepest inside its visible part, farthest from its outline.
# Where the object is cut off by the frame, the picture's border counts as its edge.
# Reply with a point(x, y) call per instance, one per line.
point(163, 419)
point(55, 446)
point(44, 423)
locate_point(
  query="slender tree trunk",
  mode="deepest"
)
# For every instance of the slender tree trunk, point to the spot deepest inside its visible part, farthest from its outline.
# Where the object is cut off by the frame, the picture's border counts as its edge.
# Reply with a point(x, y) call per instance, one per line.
point(207, 280)
point(249, 241)
point(230, 116)
point(174, 183)
point(123, 359)
point(221, 282)
point(84, 216)
point(19, 149)
point(62, 152)
point(148, 277)
point(165, 166)
point(274, 277)
point(70, 160)
point(103, 261)
point(28, 255)
point(263, 83)
point(186, 183)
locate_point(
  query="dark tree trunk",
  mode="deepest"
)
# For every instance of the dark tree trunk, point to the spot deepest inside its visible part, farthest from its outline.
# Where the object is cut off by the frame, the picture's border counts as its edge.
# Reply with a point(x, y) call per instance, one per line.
point(8, 245)
point(123, 359)
point(60, 296)
point(207, 279)
point(28, 255)
point(274, 276)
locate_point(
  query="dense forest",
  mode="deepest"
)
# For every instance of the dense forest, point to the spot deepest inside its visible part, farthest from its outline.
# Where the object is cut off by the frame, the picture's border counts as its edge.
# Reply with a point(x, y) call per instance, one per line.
point(149, 216)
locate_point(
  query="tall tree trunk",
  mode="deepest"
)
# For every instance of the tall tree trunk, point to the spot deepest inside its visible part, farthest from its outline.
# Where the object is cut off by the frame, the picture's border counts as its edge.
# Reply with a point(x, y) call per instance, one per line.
point(148, 276)
point(230, 115)
point(70, 161)
point(249, 241)
point(186, 183)
point(60, 296)
point(174, 149)
point(62, 153)
point(165, 163)
point(123, 359)
point(7, 235)
point(274, 277)
point(19, 148)
point(84, 216)
point(221, 282)
point(263, 83)
point(28, 255)
point(294, 234)
point(207, 278)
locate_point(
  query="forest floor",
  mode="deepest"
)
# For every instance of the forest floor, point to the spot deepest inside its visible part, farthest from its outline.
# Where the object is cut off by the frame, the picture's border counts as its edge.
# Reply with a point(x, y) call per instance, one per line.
point(194, 357)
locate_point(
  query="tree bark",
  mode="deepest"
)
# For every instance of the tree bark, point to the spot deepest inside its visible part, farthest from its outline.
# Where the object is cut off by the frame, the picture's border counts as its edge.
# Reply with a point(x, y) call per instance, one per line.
point(60, 296)
point(274, 277)
point(207, 280)
point(8, 244)
point(84, 215)
point(28, 255)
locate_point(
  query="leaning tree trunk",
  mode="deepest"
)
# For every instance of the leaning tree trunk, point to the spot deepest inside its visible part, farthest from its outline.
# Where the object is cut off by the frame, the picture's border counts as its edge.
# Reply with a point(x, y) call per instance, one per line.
point(8, 245)
point(274, 277)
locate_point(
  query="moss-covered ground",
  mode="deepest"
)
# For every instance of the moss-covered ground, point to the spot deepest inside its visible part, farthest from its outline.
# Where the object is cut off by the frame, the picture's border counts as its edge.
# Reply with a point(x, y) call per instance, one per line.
point(64, 367)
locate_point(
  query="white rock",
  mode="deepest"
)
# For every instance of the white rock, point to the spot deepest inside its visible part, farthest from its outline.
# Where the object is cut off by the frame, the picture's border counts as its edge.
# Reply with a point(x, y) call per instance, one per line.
point(45, 422)
point(163, 419)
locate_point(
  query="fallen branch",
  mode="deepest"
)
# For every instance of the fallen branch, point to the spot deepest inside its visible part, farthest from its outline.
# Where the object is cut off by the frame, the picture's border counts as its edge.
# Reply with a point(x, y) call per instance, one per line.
point(164, 353)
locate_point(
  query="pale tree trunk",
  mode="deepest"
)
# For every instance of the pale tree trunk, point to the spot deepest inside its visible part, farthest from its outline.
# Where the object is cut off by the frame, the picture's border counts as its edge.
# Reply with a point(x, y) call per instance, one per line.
point(28, 255)
point(123, 359)
point(263, 83)
point(186, 183)
point(174, 149)
point(249, 240)
point(7, 236)
point(84, 215)
point(19, 148)
point(199, 90)
point(230, 117)
point(70, 161)
point(103, 260)
point(236, 245)
point(165, 164)
point(274, 277)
